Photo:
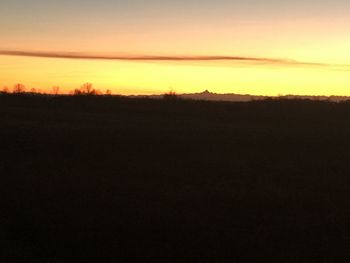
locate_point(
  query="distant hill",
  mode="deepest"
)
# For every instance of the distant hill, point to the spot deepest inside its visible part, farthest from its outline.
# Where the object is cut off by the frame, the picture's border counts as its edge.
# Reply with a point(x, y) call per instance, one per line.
point(211, 96)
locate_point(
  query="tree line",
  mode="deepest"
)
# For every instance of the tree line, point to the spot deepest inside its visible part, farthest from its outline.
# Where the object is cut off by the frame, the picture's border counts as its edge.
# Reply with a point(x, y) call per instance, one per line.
point(85, 89)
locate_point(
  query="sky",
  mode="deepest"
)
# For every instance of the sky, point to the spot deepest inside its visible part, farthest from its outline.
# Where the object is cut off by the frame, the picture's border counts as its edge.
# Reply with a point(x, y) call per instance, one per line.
point(263, 47)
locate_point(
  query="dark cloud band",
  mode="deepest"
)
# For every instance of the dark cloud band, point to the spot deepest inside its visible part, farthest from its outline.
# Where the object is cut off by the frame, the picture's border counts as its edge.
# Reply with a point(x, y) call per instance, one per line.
point(194, 58)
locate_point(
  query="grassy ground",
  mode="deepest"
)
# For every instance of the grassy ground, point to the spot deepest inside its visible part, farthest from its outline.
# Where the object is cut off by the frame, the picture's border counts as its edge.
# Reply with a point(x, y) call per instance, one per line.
point(135, 180)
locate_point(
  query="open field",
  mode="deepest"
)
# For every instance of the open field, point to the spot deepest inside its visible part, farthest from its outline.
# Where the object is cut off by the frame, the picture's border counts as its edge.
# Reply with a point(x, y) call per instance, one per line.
point(111, 179)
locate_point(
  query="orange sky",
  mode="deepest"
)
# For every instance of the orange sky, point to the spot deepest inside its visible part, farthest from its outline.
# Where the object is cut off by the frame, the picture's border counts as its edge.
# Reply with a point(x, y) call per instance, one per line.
point(316, 36)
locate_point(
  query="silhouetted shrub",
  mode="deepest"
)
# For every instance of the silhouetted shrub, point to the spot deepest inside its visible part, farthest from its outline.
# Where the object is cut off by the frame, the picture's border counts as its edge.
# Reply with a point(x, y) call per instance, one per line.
point(171, 95)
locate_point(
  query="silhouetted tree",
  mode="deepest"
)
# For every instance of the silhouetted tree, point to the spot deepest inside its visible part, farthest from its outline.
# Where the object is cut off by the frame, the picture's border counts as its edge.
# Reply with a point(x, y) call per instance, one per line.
point(77, 92)
point(87, 89)
point(108, 92)
point(19, 88)
point(33, 90)
point(5, 90)
point(55, 90)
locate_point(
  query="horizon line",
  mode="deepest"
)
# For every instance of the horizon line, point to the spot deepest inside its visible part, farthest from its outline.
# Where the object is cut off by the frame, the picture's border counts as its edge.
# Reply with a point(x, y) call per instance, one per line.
point(207, 92)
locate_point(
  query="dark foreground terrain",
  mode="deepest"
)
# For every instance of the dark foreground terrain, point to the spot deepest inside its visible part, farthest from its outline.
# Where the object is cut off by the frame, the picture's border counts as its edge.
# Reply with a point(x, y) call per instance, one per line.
point(105, 179)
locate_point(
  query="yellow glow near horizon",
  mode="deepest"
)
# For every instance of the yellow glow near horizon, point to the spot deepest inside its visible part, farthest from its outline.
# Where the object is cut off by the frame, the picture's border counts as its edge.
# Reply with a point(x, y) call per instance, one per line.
point(127, 77)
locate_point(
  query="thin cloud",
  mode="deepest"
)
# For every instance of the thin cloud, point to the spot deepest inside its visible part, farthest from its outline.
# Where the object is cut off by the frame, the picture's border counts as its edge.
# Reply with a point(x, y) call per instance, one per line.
point(190, 58)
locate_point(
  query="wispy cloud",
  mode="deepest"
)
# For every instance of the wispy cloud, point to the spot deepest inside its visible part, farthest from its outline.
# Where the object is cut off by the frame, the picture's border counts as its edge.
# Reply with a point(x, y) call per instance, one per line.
point(189, 58)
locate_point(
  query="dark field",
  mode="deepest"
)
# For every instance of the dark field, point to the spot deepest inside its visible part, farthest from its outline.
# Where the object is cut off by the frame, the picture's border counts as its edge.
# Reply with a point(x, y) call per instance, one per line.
point(108, 179)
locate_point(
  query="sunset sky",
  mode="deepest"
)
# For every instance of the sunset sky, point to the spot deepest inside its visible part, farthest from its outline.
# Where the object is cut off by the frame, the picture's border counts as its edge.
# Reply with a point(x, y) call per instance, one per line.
point(265, 47)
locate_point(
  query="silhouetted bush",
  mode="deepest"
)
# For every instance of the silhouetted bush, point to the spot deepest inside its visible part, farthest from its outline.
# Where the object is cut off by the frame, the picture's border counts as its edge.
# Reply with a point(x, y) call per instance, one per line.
point(171, 95)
